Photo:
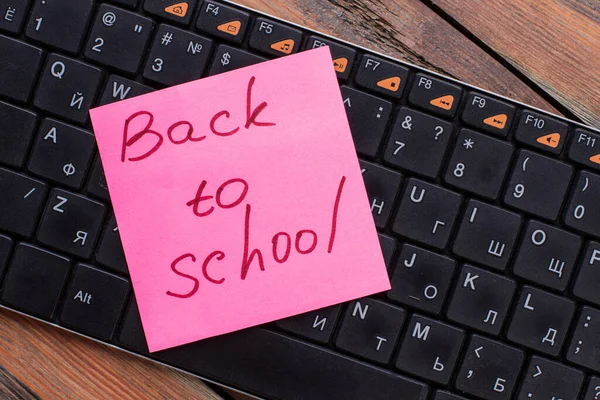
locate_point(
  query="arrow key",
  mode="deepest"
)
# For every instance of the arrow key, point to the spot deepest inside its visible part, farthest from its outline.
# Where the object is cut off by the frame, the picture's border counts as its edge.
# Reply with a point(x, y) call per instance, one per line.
point(547, 379)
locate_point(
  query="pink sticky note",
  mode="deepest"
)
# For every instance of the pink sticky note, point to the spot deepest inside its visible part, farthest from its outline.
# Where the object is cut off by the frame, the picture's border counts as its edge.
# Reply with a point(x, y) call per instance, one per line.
point(239, 199)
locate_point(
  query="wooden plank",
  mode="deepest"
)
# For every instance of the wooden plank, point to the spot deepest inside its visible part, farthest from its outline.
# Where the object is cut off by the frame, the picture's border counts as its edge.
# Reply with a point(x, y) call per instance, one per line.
point(555, 43)
point(409, 30)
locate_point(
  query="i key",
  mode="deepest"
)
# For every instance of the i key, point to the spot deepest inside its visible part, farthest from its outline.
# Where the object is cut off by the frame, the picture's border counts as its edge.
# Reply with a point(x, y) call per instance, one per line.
point(585, 344)
point(22, 199)
point(382, 187)
point(488, 114)
point(228, 58)
point(316, 325)
point(547, 379)
point(583, 212)
point(435, 95)
point(588, 281)
point(381, 76)
point(118, 38)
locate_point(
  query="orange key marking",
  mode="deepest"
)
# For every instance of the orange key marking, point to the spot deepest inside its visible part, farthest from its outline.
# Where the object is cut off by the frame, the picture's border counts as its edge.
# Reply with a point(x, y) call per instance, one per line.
point(444, 102)
point(284, 46)
point(340, 64)
point(550, 140)
point(392, 84)
point(179, 9)
point(595, 159)
point(232, 28)
point(496, 121)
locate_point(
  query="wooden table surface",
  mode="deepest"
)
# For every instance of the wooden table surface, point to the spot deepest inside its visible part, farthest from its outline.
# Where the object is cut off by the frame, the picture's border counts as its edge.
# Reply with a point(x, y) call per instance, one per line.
point(541, 52)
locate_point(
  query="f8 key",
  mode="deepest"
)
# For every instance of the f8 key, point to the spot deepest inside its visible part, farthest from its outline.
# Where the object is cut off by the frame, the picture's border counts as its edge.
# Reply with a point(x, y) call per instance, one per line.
point(435, 95)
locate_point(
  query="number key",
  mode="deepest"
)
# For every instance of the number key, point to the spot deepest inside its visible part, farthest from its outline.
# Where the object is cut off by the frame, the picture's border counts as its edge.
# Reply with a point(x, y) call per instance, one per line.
point(583, 212)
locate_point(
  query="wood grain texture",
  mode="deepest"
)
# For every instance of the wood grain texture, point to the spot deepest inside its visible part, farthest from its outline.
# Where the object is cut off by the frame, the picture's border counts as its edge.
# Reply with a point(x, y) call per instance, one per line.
point(555, 43)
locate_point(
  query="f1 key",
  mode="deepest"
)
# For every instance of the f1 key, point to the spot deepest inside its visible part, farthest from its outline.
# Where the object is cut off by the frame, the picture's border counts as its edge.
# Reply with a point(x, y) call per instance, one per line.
point(585, 148)
point(435, 95)
point(541, 132)
point(222, 21)
point(488, 114)
point(381, 76)
point(274, 38)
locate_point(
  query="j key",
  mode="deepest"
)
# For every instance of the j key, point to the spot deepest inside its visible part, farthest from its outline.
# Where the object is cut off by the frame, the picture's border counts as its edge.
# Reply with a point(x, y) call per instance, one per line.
point(110, 250)
point(5, 246)
point(370, 329)
point(60, 23)
point(71, 223)
point(12, 15)
point(542, 132)
point(479, 163)
point(177, 56)
point(178, 11)
point(222, 21)
point(488, 114)
point(316, 325)
point(94, 301)
point(381, 76)
point(541, 320)
point(585, 148)
point(18, 72)
point(388, 248)
point(97, 185)
point(583, 212)
point(228, 58)
point(62, 153)
point(67, 88)
point(118, 38)
point(481, 299)
point(274, 38)
point(434, 95)
point(367, 116)
point(421, 279)
point(593, 388)
point(490, 369)
point(35, 280)
point(343, 56)
point(538, 184)
point(430, 349)
point(585, 343)
point(382, 187)
point(547, 255)
point(547, 379)
point(427, 213)
point(118, 89)
point(21, 200)
point(418, 142)
point(447, 396)
point(588, 280)
point(487, 234)
point(16, 131)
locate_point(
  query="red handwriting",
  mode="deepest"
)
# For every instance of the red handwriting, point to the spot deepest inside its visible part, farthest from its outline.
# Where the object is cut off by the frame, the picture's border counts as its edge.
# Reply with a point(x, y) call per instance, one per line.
point(156, 139)
point(195, 202)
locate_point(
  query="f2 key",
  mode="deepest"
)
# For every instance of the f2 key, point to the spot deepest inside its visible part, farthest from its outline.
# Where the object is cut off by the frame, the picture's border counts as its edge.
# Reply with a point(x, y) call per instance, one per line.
point(381, 76)
point(488, 114)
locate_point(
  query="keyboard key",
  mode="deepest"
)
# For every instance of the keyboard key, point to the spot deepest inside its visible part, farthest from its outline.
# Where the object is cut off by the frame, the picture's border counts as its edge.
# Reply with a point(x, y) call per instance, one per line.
point(110, 250)
point(447, 396)
point(343, 56)
point(62, 153)
point(479, 164)
point(370, 329)
point(381, 76)
point(382, 187)
point(177, 56)
point(418, 142)
point(490, 369)
point(367, 116)
point(538, 185)
point(588, 280)
point(118, 88)
point(274, 38)
point(67, 88)
point(488, 114)
point(434, 95)
point(582, 212)
point(18, 72)
point(541, 320)
point(542, 132)
point(35, 280)
point(585, 148)
point(60, 23)
point(97, 185)
point(223, 21)
point(481, 299)
point(228, 58)
point(430, 349)
point(547, 379)
point(21, 199)
point(427, 213)
point(131, 335)
point(16, 131)
point(12, 15)
point(5, 246)
point(593, 388)
point(94, 301)
point(316, 325)
point(388, 248)
point(421, 279)
point(118, 38)
point(126, 3)
point(547, 255)
point(178, 11)
point(585, 343)
point(487, 234)
point(71, 223)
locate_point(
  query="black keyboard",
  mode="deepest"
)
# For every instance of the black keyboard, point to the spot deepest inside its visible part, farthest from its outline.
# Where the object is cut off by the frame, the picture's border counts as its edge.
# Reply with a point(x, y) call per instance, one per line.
point(488, 212)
